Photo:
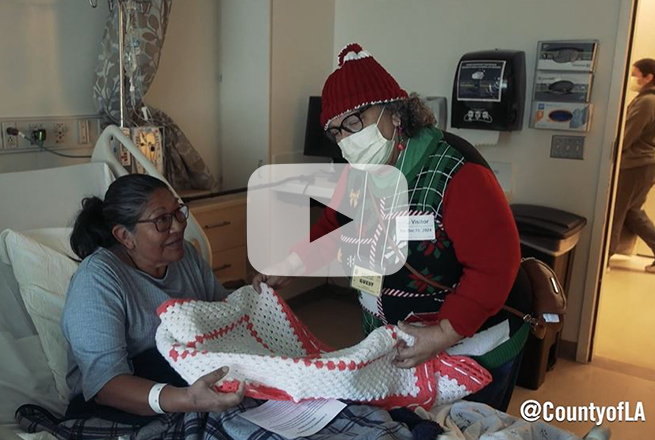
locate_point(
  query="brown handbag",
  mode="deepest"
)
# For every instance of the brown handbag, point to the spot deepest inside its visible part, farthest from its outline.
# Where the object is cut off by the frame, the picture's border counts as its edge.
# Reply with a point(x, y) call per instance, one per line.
point(547, 298)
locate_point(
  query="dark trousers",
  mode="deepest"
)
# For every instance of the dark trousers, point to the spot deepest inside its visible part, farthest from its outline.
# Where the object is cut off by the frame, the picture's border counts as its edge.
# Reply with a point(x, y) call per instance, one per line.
point(498, 393)
point(629, 217)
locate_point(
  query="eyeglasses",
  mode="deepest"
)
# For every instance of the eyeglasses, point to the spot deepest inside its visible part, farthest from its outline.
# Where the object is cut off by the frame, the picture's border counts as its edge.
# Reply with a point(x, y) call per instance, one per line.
point(351, 124)
point(164, 222)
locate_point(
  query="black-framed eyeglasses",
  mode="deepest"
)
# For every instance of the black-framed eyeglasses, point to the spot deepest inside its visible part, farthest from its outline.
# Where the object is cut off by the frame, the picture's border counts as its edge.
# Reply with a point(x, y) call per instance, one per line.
point(351, 124)
point(164, 222)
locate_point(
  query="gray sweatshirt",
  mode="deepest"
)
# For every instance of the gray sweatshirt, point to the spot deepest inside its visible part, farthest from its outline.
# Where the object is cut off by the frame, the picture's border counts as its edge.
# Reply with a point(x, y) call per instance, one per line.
point(639, 137)
point(110, 314)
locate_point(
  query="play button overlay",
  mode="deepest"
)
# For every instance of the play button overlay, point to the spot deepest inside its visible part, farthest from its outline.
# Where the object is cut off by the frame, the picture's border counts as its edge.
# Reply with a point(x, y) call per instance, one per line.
point(315, 234)
point(324, 220)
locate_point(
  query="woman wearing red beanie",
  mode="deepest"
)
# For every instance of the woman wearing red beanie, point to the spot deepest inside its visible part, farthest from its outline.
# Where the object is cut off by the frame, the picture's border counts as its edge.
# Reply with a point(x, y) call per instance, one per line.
point(459, 280)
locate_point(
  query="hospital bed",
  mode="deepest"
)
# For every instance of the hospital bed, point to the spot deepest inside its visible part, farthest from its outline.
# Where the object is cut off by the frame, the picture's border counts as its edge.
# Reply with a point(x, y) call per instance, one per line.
point(41, 205)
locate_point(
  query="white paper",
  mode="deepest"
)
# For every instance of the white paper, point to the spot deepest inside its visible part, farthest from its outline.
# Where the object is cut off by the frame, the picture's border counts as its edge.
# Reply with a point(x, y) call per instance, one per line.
point(293, 420)
point(477, 137)
point(416, 227)
point(551, 317)
point(482, 342)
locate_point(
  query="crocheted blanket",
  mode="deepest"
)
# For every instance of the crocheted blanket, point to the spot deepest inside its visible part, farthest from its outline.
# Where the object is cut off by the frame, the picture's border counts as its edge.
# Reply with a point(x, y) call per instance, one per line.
point(263, 342)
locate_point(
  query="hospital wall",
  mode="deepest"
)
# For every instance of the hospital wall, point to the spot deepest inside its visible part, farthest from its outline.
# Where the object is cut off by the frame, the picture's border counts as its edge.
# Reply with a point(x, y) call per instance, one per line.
point(49, 50)
point(187, 82)
point(48, 53)
point(301, 43)
point(644, 37)
point(421, 45)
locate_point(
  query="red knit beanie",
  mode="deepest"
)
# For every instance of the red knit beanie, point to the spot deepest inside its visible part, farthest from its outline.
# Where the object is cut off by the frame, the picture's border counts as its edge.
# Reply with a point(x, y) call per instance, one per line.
point(359, 80)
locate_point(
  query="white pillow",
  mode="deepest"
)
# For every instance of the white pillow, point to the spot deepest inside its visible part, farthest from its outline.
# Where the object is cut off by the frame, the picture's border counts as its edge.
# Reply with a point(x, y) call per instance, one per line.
point(57, 239)
point(43, 275)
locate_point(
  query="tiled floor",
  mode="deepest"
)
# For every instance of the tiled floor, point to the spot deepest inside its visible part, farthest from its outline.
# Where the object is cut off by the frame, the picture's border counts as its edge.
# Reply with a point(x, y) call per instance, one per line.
point(335, 320)
point(574, 384)
point(625, 328)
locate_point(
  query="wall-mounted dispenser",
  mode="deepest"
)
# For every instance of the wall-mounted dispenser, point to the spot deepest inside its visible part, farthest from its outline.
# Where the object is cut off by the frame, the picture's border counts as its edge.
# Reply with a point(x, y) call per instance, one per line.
point(489, 91)
point(562, 85)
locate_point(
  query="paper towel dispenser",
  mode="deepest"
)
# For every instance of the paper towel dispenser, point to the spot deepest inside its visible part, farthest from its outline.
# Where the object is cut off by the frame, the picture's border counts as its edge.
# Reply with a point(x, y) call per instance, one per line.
point(489, 91)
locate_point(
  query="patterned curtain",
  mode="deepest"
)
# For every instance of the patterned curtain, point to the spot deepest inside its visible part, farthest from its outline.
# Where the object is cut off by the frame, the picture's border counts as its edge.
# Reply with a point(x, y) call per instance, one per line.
point(144, 39)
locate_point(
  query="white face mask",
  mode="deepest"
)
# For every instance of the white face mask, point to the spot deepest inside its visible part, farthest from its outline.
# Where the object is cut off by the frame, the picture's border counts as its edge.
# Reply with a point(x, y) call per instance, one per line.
point(634, 84)
point(366, 150)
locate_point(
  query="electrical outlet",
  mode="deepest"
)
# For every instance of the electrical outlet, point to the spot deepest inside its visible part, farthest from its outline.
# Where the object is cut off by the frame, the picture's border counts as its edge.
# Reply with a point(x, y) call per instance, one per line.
point(8, 141)
point(83, 132)
point(567, 147)
point(60, 130)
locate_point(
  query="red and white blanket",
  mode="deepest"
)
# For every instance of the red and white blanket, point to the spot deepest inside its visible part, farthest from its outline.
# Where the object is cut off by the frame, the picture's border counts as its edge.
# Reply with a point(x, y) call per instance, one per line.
point(262, 342)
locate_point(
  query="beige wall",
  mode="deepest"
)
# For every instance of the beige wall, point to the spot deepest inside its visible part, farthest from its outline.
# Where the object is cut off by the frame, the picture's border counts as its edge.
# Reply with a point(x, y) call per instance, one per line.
point(420, 43)
point(245, 47)
point(301, 59)
point(48, 53)
point(187, 83)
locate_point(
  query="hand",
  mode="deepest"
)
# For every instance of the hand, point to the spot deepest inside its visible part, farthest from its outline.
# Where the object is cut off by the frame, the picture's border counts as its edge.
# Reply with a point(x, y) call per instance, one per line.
point(274, 281)
point(285, 270)
point(429, 341)
point(203, 398)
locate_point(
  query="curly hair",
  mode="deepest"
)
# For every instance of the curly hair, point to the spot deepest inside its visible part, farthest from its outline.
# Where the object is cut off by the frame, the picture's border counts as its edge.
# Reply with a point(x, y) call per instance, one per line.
point(414, 114)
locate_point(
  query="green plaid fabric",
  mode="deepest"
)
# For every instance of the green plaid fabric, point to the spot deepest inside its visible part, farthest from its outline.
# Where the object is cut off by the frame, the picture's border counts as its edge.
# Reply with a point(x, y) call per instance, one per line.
point(427, 189)
point(428, 178)
point(370, 322)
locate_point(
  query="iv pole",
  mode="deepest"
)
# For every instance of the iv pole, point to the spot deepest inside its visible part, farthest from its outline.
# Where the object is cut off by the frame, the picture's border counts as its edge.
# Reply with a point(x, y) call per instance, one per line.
point(121, 55)
point(121, 49)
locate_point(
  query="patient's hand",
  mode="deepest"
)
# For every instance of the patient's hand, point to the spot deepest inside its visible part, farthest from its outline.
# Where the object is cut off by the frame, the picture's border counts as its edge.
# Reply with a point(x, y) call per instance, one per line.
point(429, 341)
point(274, 281)
point(202, 397)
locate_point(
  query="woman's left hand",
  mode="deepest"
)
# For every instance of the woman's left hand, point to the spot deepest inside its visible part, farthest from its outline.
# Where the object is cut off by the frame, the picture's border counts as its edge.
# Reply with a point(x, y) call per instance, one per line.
point(429, 341)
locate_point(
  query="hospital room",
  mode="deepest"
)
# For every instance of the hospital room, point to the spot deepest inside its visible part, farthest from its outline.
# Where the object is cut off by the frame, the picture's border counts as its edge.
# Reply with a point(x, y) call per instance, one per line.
point(327, 219)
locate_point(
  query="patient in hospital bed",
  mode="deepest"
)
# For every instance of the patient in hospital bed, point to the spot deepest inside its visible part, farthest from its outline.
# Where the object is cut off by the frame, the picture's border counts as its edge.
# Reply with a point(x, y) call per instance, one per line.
point(134, 258)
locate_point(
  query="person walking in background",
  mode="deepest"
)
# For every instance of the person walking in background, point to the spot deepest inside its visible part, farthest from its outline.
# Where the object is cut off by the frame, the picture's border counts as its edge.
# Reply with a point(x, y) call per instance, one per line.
point(637, 173)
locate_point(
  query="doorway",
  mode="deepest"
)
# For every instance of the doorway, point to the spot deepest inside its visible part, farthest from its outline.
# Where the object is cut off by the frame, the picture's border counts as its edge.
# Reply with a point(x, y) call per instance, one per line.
point(625, 319)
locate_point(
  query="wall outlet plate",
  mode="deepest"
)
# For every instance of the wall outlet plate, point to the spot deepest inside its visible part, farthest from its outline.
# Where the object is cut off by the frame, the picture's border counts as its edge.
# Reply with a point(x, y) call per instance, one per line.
point(567, 147)
point(62, 133)
point(9, 142)
point(82, 131)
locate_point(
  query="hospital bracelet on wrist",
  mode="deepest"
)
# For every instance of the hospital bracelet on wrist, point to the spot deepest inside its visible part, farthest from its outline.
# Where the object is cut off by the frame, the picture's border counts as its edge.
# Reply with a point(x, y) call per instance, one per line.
point(153, 397)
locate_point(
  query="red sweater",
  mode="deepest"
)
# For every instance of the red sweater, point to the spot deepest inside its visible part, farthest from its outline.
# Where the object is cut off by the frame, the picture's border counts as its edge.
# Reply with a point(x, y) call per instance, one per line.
point(477, 219)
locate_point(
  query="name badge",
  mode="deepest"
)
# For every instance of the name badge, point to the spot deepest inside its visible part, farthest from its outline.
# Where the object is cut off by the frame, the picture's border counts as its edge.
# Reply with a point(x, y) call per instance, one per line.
point(415, 227)
point(366, 281)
